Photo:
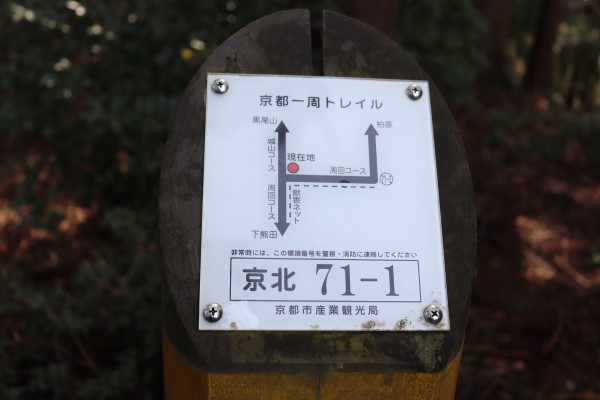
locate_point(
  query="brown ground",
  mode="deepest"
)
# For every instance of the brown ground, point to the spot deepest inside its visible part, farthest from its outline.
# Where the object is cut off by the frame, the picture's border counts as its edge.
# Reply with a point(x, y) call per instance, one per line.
point(534, 323)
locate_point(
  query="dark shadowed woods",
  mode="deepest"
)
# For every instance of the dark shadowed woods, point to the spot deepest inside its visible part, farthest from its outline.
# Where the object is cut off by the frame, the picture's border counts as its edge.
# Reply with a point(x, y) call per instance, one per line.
point(88, 92)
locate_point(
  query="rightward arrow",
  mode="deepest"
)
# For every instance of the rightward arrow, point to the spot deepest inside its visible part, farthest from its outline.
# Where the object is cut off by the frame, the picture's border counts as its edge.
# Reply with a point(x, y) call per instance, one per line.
point(282, 177)
point(371, 133)
point(281, 223)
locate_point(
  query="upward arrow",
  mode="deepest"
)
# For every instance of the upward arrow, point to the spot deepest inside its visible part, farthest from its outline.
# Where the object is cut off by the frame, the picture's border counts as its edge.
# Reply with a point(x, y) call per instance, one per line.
point(371, 133)
point(283, 178)
point(281, 223)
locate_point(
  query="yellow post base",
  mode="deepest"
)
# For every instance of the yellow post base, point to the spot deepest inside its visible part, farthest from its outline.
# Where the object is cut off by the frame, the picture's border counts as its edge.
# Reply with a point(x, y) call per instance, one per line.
point(185, 381)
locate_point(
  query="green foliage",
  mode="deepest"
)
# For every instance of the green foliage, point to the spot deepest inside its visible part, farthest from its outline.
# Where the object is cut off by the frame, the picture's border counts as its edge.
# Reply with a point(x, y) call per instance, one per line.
point(577, 65)
point(93, 337)
point(446, 39)
point(575, 68)
point(586, 128)
point(101, 80)
point(523, 21)
point(544, 134)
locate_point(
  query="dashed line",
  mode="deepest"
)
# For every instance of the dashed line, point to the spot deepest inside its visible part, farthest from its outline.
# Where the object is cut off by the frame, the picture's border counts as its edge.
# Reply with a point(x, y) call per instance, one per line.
point(336, 186)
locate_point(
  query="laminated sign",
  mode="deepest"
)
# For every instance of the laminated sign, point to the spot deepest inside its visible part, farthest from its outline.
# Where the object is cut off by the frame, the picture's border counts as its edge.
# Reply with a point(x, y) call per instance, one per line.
point(320, 206)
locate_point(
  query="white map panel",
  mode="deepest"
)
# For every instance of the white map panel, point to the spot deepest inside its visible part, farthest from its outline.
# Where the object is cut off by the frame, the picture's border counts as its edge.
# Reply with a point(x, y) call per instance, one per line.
point(320, 207)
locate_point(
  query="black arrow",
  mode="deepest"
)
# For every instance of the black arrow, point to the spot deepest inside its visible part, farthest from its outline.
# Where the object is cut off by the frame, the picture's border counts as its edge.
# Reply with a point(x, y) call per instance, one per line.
point(371, 178)
point(372, 133)
point(282, 177)
point(281, 223)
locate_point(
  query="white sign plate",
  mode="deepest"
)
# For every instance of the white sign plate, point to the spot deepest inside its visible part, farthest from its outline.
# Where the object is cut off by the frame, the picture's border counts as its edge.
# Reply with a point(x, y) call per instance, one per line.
point(320, 207)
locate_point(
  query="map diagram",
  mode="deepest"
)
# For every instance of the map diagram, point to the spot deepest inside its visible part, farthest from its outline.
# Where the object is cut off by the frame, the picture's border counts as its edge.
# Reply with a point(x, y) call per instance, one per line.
point(283, 168)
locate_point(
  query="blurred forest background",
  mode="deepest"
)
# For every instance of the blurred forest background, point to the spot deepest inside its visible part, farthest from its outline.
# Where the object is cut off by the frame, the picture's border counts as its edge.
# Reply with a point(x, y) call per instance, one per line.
point(88, 91)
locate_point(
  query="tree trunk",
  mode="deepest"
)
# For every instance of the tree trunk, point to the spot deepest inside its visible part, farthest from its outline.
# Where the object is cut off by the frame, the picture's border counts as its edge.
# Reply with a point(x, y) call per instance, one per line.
point(381, 14)
point(498, 15)
point(537, 77)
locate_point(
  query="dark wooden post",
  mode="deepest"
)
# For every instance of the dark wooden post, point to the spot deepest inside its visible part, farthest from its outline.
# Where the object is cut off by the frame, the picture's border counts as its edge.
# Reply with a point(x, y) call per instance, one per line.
point(304, 364)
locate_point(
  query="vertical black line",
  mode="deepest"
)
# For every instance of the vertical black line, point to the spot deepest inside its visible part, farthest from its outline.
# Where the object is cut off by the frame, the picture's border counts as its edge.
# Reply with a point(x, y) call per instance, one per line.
point(316, 38)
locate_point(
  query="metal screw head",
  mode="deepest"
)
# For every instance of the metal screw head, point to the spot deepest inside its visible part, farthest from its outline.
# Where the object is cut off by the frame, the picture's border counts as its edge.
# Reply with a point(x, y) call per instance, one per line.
point(213, 312)
point(220, 86)
point(414, 91)
point(433, 314)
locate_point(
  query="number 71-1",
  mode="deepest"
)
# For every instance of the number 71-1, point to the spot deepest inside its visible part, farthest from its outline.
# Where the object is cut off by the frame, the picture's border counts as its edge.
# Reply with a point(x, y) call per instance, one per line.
point(346, 268)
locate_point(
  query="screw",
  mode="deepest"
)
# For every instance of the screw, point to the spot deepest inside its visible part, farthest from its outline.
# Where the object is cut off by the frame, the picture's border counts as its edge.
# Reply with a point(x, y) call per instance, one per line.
point(220, 86)
point(414, 91)
point(433, 314)
point(213, 312)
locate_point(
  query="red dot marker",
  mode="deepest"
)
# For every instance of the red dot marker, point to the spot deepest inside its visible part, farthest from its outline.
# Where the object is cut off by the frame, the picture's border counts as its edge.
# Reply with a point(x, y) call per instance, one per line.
point(293, 167)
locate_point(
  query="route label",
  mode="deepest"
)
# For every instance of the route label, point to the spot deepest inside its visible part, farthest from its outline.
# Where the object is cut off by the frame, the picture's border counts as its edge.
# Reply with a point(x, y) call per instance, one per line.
point(320, 206)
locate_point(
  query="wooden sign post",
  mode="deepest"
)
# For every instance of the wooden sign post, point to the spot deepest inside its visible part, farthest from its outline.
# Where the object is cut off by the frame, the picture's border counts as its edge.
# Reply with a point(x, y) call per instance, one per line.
point(401, 350)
